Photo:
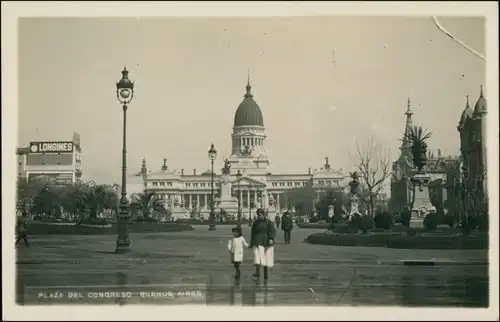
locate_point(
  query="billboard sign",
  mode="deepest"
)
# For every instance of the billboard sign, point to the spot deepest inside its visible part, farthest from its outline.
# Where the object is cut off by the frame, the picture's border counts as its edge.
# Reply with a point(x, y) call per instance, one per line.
point(51, 147)
point(51, 178)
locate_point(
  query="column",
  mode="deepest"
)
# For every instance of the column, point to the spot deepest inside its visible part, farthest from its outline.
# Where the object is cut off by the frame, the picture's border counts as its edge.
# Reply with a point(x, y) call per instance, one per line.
point(205, 201)
point(241, 197)
point(198, 200)
point(278, 207)
point(248, 198)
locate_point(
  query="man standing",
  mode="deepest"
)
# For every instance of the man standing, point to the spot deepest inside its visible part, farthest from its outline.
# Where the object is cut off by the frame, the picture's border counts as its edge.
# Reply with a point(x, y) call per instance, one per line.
point(287, 226)
point(22, 231)
point(277, 221)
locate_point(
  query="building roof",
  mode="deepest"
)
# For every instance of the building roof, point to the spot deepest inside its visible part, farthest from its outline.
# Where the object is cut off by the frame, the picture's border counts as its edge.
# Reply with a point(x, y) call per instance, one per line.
point(480, 106)
point(248, 112)
point(467, 113)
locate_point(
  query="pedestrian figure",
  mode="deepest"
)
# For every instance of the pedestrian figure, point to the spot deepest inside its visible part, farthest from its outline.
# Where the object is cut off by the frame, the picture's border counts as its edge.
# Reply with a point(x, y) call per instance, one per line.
point(236, 246)
point(22, 231)
point(287, 226)
point(263, 234)
point(277, 221)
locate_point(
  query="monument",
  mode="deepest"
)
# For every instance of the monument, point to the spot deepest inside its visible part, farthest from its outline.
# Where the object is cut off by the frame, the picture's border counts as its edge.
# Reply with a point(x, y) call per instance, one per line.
point(331, 211)
point(266, 205)
point(422, 205)
point(227, 202)
point(354, 200)
point(178, 210)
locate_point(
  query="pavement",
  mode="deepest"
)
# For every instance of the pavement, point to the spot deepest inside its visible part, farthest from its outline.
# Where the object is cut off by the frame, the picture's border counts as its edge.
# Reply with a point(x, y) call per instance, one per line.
point(193, 267)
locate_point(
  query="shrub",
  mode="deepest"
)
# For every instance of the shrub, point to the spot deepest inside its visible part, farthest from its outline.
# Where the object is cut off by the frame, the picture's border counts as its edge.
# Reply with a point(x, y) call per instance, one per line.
point(366, 223)
point(313, 219)
point(405, 218)
point(355, 221)
point(146, 219)
point(383, 220)
point(431, 221)
point(449, 220)
point(411, 232)
point(483, 222)
point(337, 218)
point(93, 221)
point(472, 222)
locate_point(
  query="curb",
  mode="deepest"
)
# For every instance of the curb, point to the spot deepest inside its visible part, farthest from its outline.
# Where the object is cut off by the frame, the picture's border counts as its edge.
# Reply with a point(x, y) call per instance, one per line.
point(335, 262)
point(444, 262)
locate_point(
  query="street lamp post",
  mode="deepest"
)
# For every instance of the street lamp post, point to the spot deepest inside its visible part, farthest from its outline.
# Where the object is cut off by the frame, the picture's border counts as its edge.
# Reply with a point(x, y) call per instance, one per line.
point(212, 154)
point(124, 93)
point(238, 177)
point(249, 206)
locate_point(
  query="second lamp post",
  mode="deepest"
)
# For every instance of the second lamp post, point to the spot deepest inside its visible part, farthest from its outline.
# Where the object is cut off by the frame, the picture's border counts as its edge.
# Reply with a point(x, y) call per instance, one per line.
point(238, 177)
point(124, 93)
point(212, 155)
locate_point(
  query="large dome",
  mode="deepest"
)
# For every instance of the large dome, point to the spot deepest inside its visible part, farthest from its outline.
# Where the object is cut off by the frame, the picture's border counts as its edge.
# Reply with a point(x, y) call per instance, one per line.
point(248, 113)
point(480, 106)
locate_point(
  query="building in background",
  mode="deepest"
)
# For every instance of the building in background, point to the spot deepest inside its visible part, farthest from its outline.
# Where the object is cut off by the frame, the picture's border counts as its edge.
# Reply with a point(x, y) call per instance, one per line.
point(443, 170)
point(22, 154)
point(249, 157)
point(472, 129)
point(58, 161)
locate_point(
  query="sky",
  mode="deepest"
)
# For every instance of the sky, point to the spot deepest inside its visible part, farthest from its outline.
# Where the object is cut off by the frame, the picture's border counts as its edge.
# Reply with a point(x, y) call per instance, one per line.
point(323, 84)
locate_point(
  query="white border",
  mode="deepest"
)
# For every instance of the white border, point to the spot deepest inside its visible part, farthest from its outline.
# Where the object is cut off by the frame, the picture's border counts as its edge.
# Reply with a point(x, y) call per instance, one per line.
point(12, 10)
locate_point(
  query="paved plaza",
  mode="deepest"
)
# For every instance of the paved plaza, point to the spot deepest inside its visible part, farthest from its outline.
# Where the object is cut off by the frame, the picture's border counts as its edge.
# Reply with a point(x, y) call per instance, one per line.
point(198, 261)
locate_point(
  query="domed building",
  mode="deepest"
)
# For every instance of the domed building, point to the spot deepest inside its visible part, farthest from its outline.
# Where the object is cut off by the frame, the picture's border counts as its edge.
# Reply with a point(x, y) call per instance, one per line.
point(472, 129)
point(248, 158)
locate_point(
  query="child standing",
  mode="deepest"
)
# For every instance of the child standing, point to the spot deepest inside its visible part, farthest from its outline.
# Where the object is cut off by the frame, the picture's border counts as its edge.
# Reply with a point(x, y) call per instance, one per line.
point(235, 247)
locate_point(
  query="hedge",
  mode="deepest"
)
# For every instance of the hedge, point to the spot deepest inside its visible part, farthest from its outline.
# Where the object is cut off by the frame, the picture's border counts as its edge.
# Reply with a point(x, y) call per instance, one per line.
point(429, 241)
point(344, 228)
point(207, 222)
point(47, 229)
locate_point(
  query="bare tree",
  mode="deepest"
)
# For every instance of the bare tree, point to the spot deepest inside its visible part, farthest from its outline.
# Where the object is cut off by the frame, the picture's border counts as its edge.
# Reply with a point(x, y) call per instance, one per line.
point(374, 167)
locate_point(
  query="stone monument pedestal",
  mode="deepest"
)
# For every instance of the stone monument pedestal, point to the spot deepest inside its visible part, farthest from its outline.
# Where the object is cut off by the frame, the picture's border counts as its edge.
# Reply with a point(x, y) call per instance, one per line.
point(227, 202)
point(422, 205)
point(271, 214)
point(180, 213)
point(354, 207)
point(229, 205)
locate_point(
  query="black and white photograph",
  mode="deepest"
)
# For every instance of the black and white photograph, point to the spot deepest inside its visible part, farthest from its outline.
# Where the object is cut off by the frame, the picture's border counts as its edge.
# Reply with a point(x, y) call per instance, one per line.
point(246, 161)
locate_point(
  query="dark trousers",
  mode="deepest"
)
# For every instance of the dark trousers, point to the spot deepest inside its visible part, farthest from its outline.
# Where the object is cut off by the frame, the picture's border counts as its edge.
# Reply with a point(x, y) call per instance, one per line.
point(288, 236)
point(22, 236)
point(257, 271)
point(237, 268)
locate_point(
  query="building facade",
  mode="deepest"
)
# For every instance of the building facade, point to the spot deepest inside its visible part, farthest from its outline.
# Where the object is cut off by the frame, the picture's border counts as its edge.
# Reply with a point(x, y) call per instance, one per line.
point(22, 154)
point(443, 170)
point(249, 157)
point(58, 161)
point(472, 129)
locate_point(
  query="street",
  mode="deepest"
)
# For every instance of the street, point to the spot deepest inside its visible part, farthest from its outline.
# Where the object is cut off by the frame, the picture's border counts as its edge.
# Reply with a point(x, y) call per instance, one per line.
point(55, 267)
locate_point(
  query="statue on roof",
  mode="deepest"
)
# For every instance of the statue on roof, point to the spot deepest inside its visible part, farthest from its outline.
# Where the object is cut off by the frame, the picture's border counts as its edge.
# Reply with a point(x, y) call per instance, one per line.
point(327, 165)
point(246, 151)
point(226, 170)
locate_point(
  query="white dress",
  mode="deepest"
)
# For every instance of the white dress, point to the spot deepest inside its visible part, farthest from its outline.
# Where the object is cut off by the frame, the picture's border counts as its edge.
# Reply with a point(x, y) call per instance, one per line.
point(236, 248)
point(263, 256)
